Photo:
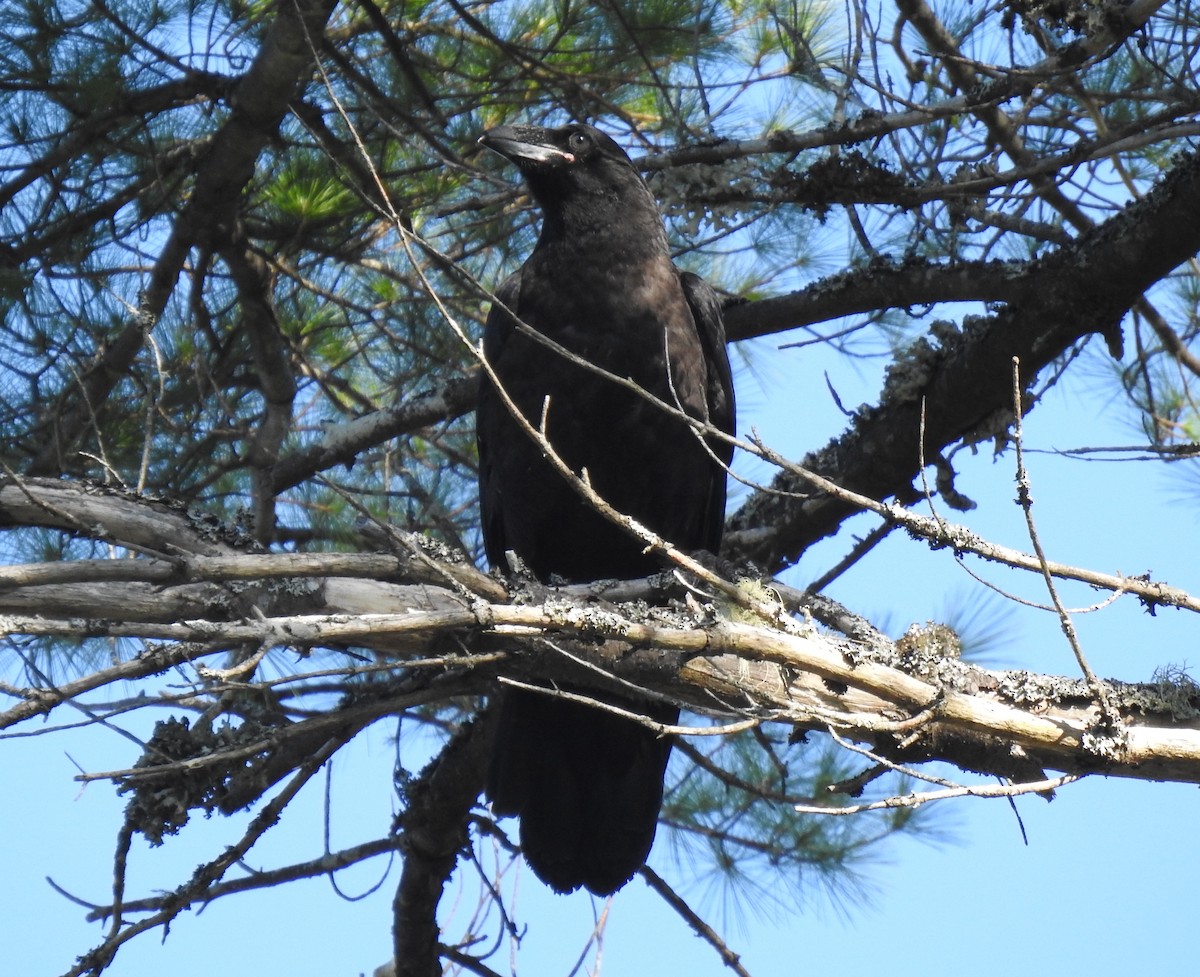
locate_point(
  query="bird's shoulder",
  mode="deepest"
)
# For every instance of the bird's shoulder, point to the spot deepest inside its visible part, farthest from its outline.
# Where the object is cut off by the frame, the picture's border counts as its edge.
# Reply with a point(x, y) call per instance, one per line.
point(705, 305)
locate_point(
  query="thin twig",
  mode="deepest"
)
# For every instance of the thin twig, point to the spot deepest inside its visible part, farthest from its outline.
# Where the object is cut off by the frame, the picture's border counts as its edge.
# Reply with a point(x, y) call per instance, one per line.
point(664, 729)
point(731, 960)
point(916, 800)
point(964, 540)
point(196, 888)
point(1025, 499)
point(327, 864)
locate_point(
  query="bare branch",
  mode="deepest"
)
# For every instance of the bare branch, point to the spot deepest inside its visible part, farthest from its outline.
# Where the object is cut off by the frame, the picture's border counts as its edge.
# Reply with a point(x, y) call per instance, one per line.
point(689, 915)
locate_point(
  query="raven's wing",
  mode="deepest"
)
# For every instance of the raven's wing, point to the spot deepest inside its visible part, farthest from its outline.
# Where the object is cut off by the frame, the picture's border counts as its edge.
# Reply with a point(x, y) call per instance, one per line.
point(705, 304)
point(490, 417)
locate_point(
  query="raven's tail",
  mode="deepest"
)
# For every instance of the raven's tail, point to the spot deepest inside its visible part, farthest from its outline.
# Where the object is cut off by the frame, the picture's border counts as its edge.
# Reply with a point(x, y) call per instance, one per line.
point(586, 784)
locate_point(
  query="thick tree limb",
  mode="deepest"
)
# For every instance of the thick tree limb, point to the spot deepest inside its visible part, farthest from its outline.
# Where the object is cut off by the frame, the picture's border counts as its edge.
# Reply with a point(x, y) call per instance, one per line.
point(971, 716)
point(252, 277)
point(963, 377)
point(433, 831)
point(340, 444)
point(882, 284)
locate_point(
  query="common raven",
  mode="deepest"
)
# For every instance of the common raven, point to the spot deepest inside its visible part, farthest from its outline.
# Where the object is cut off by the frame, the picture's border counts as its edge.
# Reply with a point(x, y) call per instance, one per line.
point(600, 283)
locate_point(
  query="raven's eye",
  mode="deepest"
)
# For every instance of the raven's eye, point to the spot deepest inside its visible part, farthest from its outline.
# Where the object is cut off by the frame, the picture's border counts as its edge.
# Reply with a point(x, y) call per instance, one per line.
point(579, 141)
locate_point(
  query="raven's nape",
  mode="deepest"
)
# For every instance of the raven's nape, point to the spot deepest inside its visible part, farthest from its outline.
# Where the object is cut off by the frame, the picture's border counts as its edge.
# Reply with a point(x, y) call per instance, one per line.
point(586, 784)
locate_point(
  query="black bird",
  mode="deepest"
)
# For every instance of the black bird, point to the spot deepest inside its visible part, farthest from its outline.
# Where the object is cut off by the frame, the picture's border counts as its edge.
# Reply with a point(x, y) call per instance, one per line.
point(586, 784)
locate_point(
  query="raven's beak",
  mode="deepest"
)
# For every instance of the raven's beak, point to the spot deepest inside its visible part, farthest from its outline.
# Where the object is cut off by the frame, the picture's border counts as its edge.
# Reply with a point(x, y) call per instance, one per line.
point(524, 144)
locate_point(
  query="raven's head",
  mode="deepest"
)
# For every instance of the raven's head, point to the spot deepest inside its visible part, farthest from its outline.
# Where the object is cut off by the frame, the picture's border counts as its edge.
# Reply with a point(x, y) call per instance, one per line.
point(576, 171)
point(537, 150)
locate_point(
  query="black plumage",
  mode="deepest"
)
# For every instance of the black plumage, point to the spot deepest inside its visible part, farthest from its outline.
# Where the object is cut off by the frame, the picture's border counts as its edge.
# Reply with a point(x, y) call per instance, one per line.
point(586, 784)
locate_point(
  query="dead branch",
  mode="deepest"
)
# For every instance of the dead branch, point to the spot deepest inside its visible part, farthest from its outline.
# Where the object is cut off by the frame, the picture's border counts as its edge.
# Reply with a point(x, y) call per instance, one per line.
point(912, 691)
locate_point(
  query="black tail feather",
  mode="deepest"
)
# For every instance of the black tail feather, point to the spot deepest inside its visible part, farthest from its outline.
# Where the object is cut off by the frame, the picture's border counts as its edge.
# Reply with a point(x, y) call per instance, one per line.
point(586, 784)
